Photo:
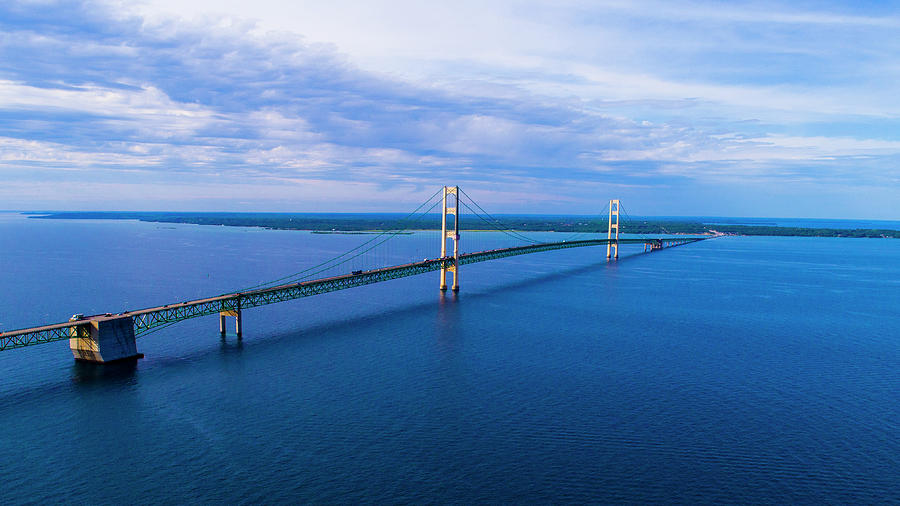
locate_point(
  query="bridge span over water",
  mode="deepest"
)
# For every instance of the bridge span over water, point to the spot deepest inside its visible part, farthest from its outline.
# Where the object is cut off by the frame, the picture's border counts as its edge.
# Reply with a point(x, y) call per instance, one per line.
point(111, 337)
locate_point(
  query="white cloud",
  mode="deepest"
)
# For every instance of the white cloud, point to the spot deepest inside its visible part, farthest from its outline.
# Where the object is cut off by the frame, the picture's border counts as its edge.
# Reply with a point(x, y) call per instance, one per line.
point(38, 155)
point(600, 50)
point(147, 107)
point(580, 96)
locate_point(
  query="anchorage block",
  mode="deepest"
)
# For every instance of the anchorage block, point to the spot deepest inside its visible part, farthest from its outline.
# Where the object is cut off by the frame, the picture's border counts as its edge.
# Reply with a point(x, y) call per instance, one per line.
point(106, 339)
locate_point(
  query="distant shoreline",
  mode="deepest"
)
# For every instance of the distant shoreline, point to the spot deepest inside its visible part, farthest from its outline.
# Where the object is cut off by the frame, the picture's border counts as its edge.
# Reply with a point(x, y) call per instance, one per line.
point(360, 223)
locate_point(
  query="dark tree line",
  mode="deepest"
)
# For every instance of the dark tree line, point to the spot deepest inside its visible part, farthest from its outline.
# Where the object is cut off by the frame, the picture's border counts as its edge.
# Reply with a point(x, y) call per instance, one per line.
point(358, 222)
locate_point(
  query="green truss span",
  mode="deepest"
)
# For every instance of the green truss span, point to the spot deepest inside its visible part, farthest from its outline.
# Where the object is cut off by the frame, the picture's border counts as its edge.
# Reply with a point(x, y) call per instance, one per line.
point(146, 320)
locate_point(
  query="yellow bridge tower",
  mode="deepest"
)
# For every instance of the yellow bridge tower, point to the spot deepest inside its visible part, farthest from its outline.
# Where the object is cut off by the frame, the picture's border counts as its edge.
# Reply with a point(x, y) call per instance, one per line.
point(448, 264)
point(613, 244)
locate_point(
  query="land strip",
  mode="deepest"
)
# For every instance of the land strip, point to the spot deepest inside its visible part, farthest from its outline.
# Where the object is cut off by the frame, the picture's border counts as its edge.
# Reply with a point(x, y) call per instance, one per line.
point(365, 223)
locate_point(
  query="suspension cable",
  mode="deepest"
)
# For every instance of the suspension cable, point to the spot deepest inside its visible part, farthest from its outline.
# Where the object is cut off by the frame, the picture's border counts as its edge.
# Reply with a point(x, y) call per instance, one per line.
point(629, 220)
point(390, 231)
point(392, 235)
point(508, 230)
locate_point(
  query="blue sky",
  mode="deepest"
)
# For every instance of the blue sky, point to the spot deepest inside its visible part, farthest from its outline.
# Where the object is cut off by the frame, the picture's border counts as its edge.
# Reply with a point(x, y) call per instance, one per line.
point(677, 108)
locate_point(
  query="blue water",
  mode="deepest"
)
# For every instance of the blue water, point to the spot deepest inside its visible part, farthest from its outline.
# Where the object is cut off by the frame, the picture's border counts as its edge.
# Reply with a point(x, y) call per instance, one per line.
point(803, 223)
point(739, 369)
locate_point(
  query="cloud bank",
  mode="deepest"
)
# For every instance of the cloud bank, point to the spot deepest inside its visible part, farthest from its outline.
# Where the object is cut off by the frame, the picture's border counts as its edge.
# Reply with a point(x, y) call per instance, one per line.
point(103, 106)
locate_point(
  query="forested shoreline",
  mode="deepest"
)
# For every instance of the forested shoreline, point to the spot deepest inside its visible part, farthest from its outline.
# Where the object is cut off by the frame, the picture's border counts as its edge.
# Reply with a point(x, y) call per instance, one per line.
point(359, 222)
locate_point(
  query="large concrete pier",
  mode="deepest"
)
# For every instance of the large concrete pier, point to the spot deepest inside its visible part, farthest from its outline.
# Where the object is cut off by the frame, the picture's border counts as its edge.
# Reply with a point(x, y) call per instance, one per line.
point(106, 339)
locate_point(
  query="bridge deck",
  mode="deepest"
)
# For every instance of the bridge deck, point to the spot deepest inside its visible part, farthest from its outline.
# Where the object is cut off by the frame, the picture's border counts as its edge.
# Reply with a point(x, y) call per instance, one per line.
point(151, 318)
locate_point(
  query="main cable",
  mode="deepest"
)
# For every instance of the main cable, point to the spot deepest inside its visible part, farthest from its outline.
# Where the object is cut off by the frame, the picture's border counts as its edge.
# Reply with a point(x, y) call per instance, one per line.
point(508, 230)
point(630, 220)
point(393, 234)
point(295, 274)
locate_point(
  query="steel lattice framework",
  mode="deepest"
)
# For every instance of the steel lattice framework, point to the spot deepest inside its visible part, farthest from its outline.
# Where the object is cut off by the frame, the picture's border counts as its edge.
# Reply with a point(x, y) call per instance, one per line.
point(43, 334)
point(149, 319)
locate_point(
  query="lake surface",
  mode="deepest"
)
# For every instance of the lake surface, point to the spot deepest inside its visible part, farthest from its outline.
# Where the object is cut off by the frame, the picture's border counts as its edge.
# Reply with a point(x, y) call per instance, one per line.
point(795, 222)
point(739, 369)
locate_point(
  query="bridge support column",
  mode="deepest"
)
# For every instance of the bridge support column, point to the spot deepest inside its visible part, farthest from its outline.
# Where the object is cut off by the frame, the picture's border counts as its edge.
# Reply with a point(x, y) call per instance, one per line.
point(104, 340)
point(447, 264)
point(613, 243)
point(236, 313)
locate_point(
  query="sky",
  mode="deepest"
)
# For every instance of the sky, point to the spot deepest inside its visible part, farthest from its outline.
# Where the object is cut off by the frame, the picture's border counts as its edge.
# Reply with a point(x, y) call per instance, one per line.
point(700, 108)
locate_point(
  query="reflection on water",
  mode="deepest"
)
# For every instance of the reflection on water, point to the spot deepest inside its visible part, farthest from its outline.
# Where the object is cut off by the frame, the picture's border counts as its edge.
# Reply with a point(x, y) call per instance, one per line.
point(231, 344)
point(119, 371)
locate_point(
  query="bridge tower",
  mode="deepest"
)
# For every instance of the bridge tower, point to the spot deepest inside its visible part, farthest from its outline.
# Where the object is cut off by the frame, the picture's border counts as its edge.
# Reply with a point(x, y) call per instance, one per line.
point(450, 265)
point(613, 244)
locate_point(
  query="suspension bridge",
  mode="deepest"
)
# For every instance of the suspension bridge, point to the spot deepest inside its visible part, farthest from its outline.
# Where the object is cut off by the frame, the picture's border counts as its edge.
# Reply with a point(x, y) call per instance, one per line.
point(111, 337)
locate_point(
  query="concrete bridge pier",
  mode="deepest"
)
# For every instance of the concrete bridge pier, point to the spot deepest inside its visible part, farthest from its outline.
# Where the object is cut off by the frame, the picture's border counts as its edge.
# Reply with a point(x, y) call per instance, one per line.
point(104, 339)
point(236, 313)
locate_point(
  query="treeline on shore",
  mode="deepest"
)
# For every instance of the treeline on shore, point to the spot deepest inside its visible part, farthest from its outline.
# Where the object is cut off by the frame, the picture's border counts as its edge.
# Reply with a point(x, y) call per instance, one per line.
point(532, 223)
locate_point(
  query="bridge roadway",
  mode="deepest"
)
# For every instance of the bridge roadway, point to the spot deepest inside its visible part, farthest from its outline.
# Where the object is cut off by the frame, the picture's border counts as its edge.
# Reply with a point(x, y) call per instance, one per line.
point(152, 318)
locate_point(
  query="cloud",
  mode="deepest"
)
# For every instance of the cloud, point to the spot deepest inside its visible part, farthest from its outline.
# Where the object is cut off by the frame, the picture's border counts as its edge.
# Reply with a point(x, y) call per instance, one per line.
point(108, 92)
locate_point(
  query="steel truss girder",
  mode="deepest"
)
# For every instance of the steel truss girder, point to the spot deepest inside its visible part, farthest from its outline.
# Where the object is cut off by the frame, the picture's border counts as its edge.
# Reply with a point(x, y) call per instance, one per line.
point(41, 335)
point(146, 320)
point(481, 256)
